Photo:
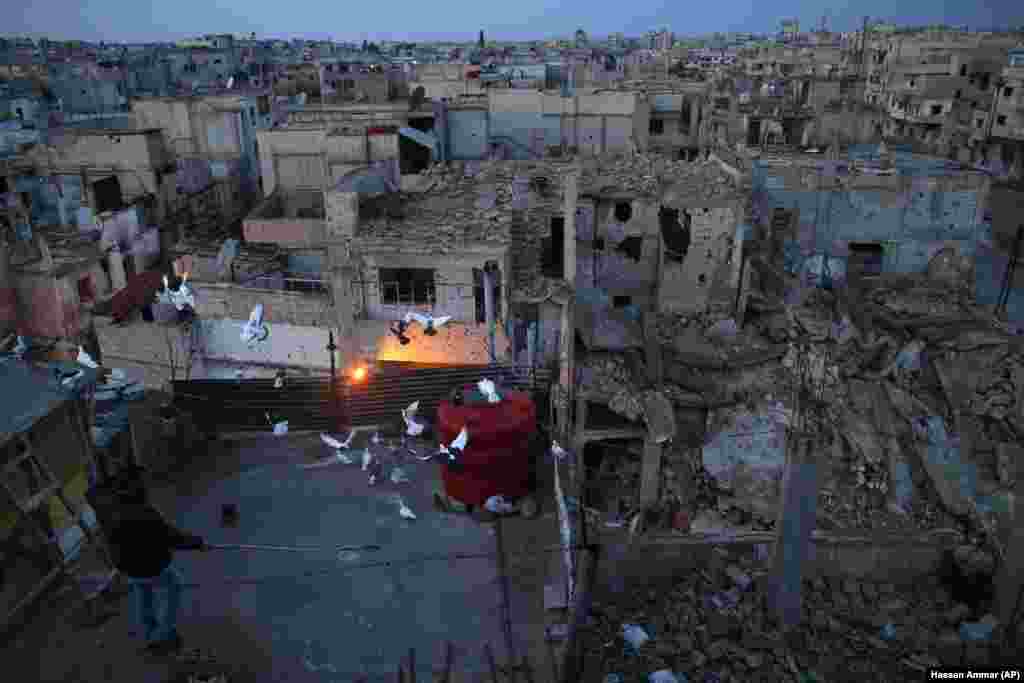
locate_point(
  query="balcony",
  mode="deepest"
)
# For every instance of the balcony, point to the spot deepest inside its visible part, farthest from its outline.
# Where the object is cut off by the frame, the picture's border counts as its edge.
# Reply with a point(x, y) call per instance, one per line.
point(294, 220)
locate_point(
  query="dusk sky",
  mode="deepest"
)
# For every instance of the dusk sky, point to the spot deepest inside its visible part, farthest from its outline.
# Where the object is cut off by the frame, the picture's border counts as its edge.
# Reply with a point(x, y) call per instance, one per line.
point(348, 20)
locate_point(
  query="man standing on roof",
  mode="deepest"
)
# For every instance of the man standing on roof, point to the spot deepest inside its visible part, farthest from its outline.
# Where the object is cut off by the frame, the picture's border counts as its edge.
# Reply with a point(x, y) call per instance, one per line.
point(142, 544)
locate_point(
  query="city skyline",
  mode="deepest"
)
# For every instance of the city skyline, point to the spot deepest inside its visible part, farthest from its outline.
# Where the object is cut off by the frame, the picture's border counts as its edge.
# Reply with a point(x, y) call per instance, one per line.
point(104, 20)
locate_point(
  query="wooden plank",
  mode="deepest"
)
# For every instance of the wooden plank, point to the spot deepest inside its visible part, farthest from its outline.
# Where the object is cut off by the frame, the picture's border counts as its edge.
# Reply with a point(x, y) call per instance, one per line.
point(650, 472)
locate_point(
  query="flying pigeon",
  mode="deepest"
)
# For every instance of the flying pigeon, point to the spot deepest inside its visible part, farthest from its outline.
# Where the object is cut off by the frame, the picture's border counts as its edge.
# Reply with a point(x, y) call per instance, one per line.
point(339, 447)
point(429, 322)
point(85, 359)
point(412, 427)
point(70, 379)
point(255, 330)
point(449, 454)
point(21, 347)
point(399, 332)
point(231, 83)
point(279, 379)
point(376, 472)
point(183, 297)
point(367, 458)
point(488, 389)
point(404, 510)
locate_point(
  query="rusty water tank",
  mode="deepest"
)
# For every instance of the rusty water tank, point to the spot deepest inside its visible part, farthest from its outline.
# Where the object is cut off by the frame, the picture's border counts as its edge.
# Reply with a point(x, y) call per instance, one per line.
point(496, 460)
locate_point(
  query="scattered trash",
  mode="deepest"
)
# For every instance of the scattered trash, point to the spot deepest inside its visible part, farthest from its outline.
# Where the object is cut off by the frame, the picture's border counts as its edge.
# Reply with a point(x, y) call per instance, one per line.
point(635, 635)
point(738, 577)
point(398, 476)
point(888, 632)
point(499, 506)
point(979, 630)
point(665, 676)
point(723, 328)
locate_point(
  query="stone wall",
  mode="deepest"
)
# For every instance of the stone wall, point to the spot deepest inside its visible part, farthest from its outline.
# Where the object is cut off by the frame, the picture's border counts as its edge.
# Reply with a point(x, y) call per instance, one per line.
point(695, 283)
point(222, 300)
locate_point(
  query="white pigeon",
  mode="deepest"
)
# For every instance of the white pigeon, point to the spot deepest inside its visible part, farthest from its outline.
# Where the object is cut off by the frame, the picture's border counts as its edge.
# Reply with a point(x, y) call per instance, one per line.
point(254, 330)
point(367, 458)
point(499, 506)
point(488, 389)
point(183, 297)
point(85, 359)
point(68, 381)
point(429, 322)
point(559, 452)
point(404, 510)
point(375, 439)
point(21, 347)
point(339, 447)
point(279, 382)
point(412, 427)
point(453, 450)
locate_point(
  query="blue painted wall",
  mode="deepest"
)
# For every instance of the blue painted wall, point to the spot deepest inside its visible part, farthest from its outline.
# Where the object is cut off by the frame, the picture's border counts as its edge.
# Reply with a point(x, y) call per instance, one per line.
point(467, 131)
point(514, 127)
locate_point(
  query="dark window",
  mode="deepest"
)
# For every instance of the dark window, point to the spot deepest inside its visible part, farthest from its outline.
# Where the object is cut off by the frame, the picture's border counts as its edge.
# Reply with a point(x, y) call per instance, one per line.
point(622, 301)
point(984, 82)
point(1007, 92)
point(633, 247)
point(956, 95)
point(623, 212)
point(657, 127)
point(1001, 120)
point(479, 300)
point(675, 233)
point(866, 258)
point(3, 186)
point(936, 109)
point(963, 70)
point(107, 194)
point(407, 286)
point(554, 249)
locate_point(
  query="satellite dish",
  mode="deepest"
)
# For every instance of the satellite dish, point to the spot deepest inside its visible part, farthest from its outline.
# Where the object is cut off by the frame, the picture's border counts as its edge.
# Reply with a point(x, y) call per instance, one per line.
point(231, 82)
point(417, 98)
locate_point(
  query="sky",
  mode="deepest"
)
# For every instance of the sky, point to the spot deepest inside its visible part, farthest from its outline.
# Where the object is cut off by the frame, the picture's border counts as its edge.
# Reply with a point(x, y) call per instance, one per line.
point(345, 20)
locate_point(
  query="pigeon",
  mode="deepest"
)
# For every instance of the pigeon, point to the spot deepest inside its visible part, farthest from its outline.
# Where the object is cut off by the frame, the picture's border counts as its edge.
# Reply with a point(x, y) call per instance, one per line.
point(412, 427)
point(449, 454)
point(279, 380)
point(404, 510)
point(429, 322)
point(85, 359)
point(255, 330)
point(71, 379)
point(367, 458)
point(375, 439)
point(21, 347)
point(183, 297)
point(488, 389)
point(339, 447)
point(399, 332)
point(376, 472)
point(560, 453)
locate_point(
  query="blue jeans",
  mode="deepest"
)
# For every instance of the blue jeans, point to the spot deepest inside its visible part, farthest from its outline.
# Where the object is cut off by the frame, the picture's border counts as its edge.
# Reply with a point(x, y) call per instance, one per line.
point(156, 604)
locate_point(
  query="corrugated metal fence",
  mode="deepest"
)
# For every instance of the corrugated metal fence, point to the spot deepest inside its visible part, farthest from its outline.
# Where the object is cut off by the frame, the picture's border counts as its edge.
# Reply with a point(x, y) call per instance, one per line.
point(312, 403)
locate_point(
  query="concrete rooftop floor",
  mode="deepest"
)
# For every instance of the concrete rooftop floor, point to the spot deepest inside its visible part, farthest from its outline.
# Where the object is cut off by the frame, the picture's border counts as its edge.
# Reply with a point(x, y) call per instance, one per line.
point(312, 616)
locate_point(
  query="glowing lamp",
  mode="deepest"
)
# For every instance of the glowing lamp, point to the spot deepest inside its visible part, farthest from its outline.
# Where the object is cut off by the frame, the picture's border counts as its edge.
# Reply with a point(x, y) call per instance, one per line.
point(359, 374)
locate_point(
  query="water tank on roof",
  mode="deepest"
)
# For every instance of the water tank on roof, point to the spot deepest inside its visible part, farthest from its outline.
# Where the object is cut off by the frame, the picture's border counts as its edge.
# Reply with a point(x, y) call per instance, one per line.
point(496, 460)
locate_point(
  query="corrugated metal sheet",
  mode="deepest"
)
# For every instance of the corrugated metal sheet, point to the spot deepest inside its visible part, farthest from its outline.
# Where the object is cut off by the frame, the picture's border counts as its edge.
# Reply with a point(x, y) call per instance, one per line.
point(308, 403)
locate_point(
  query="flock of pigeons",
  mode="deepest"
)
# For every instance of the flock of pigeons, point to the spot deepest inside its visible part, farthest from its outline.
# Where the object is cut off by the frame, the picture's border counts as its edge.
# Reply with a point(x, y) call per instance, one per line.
point(429, 323)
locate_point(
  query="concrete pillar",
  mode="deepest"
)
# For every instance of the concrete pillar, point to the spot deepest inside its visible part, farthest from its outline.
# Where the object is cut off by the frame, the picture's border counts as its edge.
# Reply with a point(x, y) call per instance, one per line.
point(118, 278)
point(490, 313)
point(569, 203)
point(342, 215)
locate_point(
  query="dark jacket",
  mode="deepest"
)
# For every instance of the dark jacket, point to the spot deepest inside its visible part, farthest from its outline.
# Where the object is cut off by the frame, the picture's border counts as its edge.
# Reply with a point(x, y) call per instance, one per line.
point(142, 543)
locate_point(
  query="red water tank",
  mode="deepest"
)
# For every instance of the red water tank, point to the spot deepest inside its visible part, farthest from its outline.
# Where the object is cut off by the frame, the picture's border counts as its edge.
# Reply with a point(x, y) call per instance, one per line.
point(497, 458)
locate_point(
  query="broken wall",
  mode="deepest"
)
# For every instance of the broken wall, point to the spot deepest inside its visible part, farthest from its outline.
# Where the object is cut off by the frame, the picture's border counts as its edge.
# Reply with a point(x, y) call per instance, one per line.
point(707, 272)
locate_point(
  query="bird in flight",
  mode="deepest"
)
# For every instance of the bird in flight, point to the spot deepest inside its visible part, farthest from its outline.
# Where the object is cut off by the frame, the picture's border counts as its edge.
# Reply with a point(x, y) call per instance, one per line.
point(404, 510)
point(398, 329)
point(340, 450)
point(412, 427)
point(489, 391)
point(85, 359)
point(449, 454)
point(367, 459)
point(429, 322)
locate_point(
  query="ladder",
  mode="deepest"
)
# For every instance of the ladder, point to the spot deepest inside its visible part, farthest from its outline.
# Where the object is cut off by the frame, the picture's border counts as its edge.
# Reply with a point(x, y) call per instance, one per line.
point(44, 485)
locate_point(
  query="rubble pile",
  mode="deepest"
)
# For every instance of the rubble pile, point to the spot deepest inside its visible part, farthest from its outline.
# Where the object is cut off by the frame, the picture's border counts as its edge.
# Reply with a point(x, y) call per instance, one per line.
point(713, 625)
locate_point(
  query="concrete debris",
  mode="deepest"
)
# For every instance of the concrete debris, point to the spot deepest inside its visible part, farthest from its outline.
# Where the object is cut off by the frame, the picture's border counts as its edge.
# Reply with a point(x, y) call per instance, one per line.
point(876, 630)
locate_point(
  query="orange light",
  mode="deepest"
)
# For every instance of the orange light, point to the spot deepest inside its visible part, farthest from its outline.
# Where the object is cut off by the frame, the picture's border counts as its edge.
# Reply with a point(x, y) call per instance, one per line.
point(359, 374)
